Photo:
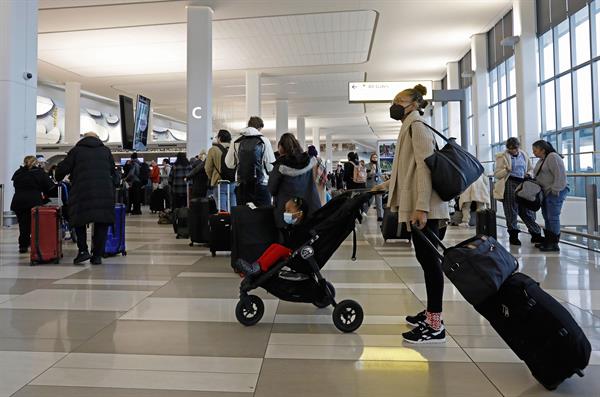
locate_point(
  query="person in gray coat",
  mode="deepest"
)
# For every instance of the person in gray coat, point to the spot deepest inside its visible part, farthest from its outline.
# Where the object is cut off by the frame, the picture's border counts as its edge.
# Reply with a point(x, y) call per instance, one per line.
point(292, 176)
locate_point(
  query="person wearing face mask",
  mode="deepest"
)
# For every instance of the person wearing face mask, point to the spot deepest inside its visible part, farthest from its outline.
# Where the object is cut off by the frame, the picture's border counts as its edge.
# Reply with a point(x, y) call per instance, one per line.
point(373, 179)
point(512, 167)
point(292, 176)
point(294, 234)
point(411, 195)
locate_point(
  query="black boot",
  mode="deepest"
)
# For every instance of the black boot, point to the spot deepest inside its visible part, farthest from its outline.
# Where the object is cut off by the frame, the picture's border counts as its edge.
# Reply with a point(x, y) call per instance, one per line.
point(514, 237)
point(249, 269)
point(551, 243)
point(539, 244)
point(81, 257)
point(536, 238)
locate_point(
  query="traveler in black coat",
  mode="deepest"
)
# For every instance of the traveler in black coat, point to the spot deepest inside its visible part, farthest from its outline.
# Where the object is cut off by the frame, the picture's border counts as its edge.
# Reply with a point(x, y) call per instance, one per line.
point(292, 176)
point(349, 171)
point(91, 167)
point(30, 182)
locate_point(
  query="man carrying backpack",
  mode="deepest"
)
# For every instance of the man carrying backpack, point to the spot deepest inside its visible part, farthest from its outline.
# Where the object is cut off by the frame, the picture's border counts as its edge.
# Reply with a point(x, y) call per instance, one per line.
point(134, 179)
point(252, 155)
point(217, 170)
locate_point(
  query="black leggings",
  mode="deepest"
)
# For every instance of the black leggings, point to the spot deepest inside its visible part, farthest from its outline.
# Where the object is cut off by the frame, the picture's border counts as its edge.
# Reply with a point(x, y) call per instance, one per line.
point(24, 218)
point(98, 238)
point(432, 268)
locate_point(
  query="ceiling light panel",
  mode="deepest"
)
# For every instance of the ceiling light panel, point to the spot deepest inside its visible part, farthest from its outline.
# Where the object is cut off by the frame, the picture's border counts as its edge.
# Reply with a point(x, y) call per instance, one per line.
point(268, 42)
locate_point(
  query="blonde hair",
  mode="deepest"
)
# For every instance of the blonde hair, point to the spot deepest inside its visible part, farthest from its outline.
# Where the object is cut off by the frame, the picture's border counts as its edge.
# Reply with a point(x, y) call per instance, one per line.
point(416, 94)
point(30, 162)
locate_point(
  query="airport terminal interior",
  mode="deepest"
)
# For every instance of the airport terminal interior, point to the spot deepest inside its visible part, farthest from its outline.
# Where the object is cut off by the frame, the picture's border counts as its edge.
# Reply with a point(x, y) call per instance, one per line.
point(164, 317)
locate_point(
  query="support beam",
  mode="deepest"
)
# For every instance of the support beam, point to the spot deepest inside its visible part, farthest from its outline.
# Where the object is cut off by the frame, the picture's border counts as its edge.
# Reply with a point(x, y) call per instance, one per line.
point(281, 118)
point(72, 112)
point(301, 131)
point(329, 152)
point(252, 93)
point(453, 78)
point(480, 104)
point(316, 141)
point(199, 79)
point(437, 119)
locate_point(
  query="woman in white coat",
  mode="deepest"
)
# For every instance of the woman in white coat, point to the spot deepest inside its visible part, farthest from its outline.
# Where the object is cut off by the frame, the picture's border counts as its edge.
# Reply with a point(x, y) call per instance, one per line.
point(512, 167)
point(479, 192)
point(411, 195)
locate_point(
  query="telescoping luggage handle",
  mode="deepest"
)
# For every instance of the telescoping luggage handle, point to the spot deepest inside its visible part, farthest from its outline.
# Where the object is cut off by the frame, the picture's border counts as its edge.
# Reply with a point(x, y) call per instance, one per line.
point(430, 238)
point(219, 183)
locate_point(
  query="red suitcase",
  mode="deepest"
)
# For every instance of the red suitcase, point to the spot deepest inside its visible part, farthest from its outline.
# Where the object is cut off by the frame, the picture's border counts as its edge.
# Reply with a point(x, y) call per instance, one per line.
point(46, 235)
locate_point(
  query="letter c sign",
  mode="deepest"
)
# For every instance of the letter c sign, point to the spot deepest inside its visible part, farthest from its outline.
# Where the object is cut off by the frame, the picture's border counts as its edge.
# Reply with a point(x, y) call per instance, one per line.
point(196, 112)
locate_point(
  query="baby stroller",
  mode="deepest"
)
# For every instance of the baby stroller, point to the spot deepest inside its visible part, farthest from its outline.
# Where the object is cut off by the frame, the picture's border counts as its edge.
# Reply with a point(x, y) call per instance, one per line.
point(329, 227)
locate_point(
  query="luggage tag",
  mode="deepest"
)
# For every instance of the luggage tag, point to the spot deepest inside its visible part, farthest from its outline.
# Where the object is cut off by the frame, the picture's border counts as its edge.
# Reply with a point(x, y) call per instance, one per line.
point(251, 205)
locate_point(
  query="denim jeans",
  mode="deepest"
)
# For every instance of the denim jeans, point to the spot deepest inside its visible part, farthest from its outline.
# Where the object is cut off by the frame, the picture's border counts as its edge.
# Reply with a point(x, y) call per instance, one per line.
point(223, 196)
point(551, 207)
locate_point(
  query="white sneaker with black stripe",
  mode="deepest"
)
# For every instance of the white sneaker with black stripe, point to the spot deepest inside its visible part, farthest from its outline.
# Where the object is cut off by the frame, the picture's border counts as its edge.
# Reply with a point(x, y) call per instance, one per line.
point(425, 334)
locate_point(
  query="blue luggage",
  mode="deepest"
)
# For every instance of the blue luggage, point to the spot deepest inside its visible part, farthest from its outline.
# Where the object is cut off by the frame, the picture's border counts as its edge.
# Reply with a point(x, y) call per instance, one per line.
point(115, 237)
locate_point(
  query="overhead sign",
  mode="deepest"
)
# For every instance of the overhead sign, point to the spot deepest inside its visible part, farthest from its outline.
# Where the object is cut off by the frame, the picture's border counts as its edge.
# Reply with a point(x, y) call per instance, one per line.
point(382, 91)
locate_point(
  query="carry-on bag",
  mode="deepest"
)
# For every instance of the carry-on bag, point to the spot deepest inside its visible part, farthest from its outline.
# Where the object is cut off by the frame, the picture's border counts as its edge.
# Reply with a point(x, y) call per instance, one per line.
point(538, 329)
point(115, 237)
point(46, 235)
point(200, 211)
point(453, 168)
point(477, 267)
point(158, 200)
point(253, 230)
point(390, 229)
point(181, 218)
point(486, 223)
point(219, 224)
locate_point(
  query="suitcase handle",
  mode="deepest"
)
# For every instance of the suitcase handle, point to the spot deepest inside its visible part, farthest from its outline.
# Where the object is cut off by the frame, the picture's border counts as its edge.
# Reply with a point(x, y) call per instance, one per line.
point(219, 183)
point(431, 240)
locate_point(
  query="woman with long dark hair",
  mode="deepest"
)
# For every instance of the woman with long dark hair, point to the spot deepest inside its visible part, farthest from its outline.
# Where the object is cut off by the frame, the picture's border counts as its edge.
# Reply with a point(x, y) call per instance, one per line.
point(551, 175)
point(177, 180)
point(292, 176)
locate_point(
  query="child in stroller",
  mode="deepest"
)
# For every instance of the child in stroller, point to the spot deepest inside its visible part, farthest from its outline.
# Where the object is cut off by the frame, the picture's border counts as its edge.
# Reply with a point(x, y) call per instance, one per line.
point(294, 235)
point(296, 276)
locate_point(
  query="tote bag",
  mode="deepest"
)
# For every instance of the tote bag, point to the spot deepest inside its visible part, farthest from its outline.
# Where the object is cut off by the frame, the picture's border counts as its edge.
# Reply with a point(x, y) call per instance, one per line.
point(529, 192)
point(453, 169)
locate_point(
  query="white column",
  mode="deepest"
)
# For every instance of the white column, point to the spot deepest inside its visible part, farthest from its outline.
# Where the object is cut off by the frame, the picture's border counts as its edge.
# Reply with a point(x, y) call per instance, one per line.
point(72, 112)
point(329, 152)
point(316, 141)
point(281, 118)
point(18, 90)
point(453, 79)
point(199, 79)
point(480, 96)
point(437, 119)
point(252, 93)
point(301, 131)
point(524, 16)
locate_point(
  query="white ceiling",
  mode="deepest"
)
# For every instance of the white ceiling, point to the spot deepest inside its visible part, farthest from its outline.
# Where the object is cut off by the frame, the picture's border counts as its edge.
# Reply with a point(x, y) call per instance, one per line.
point(306, 51)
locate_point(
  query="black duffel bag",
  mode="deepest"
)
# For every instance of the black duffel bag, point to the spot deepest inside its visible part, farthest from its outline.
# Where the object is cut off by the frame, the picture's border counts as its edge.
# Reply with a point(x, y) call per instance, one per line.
point(453, 169)
point(477, 267)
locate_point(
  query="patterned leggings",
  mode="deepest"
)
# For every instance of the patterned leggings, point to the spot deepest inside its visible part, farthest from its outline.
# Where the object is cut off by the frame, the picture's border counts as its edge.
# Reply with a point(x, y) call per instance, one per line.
point(512, 209)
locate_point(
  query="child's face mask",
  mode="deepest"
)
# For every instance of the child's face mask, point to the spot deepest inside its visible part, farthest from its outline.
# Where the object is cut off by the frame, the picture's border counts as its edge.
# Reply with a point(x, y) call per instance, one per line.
point(288, 217)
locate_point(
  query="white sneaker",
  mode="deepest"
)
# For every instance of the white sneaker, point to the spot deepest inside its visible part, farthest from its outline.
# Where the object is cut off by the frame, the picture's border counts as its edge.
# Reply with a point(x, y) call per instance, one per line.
point(464, 224)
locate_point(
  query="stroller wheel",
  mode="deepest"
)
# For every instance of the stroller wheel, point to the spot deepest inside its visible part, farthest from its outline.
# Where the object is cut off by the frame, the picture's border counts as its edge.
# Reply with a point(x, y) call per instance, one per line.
point(326, 301)
point(249, 310)
point(348, 316)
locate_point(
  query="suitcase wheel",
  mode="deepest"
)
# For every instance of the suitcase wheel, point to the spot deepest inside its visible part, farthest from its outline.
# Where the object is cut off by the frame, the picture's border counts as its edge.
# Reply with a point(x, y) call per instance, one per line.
point(213, 253)
point(177, 236)
point(56, 261)
point(32, 263)
point(579, 373)
point(192, 244)
point(124, 253)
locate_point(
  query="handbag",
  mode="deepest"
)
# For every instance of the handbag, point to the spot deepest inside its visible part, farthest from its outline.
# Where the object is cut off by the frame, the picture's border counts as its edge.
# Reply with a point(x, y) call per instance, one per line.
point(529, 193)
point(453, 169)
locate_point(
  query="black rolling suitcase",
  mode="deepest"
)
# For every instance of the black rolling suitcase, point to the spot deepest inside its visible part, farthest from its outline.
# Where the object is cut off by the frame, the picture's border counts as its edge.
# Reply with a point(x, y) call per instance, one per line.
point(158, 200)
point(181, 219)
point(538, 329)
point(219, 224)
point(252, 232)
point(200, 211)
point(486, 223)
point(390, 229)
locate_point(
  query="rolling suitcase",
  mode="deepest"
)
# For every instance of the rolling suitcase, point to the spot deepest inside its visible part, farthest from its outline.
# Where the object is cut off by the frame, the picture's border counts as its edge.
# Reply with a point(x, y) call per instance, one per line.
point(538, 329)
point(115, 237)
point(158, 199)
point(253, 230)
point(46, 234)
point(181, 218)
point(200, 211)
point(390, 229)
point(486, 223)
point(219, 224)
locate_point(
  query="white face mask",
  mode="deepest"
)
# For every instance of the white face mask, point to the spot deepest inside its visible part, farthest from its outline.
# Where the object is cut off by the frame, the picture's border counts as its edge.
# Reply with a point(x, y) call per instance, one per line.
point(288, 217)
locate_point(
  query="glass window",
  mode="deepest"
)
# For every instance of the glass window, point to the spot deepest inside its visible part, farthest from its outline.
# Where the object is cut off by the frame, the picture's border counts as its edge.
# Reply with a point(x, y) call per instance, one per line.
point(493, 86)
point(566, 103)
point(514, 128)
point(547, 49)
point(495, 125)
point(585, 140)
point(563, 53)
point(566, 148)
point(581, 24)
point(584, 95)
point(512, 80)
point(595, 9)
point(502, 117)
point(502, 80)
point(549, 106)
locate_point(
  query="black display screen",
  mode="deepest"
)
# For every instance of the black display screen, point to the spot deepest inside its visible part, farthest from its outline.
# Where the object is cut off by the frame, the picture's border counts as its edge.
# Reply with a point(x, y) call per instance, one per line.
point(142, 119)
point(127, 121)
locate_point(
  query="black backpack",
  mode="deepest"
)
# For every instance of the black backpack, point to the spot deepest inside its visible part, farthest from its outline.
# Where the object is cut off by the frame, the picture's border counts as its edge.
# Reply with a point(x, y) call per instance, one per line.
point(144, 173)
point(250, 157)
point(226, 174)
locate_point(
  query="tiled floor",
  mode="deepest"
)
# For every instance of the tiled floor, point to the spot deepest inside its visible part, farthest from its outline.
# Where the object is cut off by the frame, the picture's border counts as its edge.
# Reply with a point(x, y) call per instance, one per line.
point(160, 322)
